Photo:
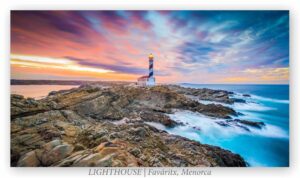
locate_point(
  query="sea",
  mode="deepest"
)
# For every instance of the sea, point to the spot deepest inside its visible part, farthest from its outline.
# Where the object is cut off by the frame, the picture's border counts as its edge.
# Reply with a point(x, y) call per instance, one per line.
point(260, 147)
point(37, 91)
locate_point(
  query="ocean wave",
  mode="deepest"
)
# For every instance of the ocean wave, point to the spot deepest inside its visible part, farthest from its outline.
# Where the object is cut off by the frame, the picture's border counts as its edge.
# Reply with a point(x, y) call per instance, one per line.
point(256, 98)
point(270, 131)
point(270, 99)
point(248, 106)
point(198, 123)
point(251, 106)
point(211, 102)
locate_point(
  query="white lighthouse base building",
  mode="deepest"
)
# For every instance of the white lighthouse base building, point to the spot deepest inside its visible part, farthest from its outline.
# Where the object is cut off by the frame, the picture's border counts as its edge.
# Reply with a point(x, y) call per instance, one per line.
point(151, 81)
point(146, 81)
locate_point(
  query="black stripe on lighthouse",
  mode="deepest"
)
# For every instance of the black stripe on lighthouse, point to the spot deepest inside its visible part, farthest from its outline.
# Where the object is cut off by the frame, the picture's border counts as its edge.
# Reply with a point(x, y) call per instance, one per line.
point(150, 68)
point(150, 74)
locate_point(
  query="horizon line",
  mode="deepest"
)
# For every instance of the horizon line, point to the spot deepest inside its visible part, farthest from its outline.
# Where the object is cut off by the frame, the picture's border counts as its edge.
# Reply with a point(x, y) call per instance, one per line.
point(158, 83)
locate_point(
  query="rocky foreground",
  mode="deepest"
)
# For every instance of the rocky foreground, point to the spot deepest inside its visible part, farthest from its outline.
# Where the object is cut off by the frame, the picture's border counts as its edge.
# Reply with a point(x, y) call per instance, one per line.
point(104, 125)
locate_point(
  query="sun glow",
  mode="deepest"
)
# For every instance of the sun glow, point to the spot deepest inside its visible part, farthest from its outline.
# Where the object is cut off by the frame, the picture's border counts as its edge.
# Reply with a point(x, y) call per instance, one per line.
point(56, 63)
point(41, 59)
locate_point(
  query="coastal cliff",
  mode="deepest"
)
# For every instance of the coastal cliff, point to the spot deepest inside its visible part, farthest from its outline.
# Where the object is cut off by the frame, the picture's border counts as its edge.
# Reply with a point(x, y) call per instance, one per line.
point(106, 125)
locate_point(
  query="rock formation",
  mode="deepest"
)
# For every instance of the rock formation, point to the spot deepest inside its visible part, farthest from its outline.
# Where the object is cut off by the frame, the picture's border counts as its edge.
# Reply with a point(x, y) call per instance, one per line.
point(221, 96)
point(78, 127)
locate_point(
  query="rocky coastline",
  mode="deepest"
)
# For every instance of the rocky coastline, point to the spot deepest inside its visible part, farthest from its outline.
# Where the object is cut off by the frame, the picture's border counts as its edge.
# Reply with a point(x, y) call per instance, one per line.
point(105, 126)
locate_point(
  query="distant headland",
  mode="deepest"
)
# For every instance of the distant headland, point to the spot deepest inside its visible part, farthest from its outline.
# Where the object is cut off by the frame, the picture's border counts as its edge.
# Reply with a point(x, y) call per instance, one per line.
point(61, 82)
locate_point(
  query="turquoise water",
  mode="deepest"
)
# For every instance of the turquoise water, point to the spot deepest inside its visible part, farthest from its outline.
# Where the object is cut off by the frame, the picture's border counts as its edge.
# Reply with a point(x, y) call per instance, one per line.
point(268, 146)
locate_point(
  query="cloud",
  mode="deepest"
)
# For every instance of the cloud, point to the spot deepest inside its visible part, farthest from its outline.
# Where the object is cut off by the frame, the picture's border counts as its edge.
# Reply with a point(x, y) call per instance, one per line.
point(269, 73)
point(128, 68)
point(235, 39)
point(58, 63)
point(259, 75)
point(112, 67)
point(217, 44)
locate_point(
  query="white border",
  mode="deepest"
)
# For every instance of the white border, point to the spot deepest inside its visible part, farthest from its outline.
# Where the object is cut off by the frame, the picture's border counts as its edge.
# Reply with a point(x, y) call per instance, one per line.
point(7, 5)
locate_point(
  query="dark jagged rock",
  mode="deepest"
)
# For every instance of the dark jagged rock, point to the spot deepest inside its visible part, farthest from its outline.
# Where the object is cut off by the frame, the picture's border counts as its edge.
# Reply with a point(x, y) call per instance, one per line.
point(21, 106)
point(77, 128)
point(158, 117)
point(246, 95)
point(237, 100)
point(251, 123)
point(235, 122)
point(221, 96)
point(216, 110)
point(223, 123)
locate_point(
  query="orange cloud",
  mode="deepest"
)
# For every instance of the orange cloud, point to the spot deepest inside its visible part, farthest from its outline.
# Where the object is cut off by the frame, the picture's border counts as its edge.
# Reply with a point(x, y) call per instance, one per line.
point(46, 63)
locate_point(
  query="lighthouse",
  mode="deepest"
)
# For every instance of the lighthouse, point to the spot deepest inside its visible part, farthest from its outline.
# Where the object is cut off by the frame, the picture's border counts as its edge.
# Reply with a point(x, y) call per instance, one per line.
point(148, 80)
point(151, 79)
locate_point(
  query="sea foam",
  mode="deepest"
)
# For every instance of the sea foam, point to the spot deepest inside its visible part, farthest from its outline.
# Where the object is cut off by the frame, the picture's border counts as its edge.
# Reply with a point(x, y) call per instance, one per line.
point(250, 105)
point(204, 125)
point(270, 99)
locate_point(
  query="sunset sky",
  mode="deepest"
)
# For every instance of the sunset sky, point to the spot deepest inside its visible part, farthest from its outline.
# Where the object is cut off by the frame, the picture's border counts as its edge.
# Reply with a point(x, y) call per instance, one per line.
point(188, 46)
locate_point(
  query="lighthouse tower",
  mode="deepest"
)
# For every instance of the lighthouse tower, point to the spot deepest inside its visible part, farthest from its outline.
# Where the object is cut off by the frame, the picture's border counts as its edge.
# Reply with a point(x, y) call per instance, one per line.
point(151, 79)
point(148, 80)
